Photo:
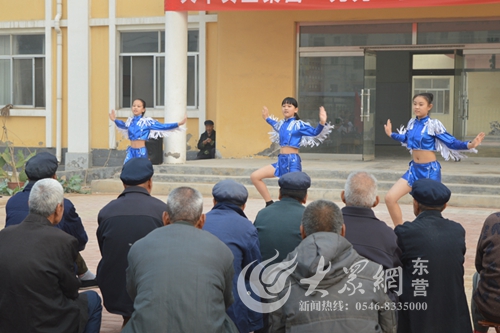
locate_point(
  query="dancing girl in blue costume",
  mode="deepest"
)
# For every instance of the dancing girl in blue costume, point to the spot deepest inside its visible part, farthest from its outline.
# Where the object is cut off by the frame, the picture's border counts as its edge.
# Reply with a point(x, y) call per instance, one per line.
point(423, 136)
point(139, 128)
point(290, 133)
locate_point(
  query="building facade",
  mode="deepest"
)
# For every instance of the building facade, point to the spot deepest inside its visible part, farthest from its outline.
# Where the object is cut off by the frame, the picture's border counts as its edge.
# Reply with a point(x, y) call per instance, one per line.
point(64, 65)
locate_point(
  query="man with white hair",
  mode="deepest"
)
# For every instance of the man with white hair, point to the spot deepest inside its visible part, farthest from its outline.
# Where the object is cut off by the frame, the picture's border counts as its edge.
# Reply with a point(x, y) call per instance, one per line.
point(180, 277)
point(369, 236)
point(38, 284)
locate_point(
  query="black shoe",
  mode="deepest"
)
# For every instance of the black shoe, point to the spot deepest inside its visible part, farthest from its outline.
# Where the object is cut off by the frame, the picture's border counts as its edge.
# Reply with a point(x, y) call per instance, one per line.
point(269, 203)
point(88, 284)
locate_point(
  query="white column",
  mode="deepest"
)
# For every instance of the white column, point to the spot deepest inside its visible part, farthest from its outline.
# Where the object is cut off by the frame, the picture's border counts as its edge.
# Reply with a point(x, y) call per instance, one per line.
point(112, 72)
point(48, 71)
point(175, 83)
point(78, 155)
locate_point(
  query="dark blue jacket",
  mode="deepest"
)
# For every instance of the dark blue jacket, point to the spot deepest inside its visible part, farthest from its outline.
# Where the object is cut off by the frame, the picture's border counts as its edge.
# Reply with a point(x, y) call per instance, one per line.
point(438, 245)
point(122, 222)
point(17, 209)
point(228, 223)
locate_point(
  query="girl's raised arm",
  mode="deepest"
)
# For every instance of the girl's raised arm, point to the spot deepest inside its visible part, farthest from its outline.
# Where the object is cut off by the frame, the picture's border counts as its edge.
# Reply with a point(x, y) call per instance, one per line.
point(265, 113)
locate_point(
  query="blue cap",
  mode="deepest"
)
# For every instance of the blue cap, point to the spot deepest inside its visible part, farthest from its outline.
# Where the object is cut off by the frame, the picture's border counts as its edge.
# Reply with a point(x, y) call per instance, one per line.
point(137, 171)
point(42, 165)
point(430, 192)
point(230, 191)
point(295, 181)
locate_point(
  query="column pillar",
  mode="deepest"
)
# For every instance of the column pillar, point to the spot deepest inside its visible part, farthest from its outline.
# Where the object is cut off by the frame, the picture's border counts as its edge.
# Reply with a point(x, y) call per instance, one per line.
point(78, 155)
point(175, 83)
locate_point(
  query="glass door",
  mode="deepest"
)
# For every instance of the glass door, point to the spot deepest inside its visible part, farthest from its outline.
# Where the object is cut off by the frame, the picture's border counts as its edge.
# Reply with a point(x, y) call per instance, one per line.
point(481, 78)
point(461, 101)
point(368, 103)
point(335, 82)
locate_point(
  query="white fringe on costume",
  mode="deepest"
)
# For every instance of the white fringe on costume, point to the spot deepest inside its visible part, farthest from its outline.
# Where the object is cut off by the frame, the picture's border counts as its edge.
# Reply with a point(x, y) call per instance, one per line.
point(310, 141)
point(153, 134)
point(435, 127)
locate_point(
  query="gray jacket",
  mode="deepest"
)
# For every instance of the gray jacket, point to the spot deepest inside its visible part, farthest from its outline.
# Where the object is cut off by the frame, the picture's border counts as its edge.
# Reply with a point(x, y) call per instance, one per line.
point(345, 299)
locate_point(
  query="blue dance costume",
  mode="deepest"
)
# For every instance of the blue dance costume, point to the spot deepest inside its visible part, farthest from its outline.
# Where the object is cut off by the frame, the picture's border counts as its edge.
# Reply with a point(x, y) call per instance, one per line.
point(429, 134)
point(294, 133)
point(140, 128)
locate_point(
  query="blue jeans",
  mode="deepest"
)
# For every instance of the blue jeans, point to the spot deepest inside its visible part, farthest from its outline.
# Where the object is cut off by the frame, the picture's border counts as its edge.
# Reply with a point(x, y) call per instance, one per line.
point(95, 312)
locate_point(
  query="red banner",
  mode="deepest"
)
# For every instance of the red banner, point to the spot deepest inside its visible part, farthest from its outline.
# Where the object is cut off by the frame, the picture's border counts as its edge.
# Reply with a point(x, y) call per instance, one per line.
point(237, 5)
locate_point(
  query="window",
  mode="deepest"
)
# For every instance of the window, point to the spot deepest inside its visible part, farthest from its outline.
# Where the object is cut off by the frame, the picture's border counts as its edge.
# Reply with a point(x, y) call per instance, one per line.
point(355, 34)
point(467, 32)
point(22, 70)
point(142, 68)
point(439, 87)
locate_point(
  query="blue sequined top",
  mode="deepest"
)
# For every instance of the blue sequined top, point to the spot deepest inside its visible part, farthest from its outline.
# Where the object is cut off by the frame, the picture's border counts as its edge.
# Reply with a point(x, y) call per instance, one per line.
point(295, 133)
point(140, 128)
point(430, 134)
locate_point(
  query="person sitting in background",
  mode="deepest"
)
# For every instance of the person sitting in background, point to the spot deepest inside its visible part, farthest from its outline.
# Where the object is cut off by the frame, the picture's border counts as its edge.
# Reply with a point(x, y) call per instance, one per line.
point(44, 165)
point(38, 286)
point(206, 144)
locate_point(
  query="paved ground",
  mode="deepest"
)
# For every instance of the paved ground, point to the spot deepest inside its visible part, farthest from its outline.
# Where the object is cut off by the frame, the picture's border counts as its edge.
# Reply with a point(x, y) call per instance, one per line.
point(88, 207)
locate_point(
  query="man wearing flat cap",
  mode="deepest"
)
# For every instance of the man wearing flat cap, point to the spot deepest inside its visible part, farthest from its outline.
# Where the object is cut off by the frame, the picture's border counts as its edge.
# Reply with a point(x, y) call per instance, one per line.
point(122, 222)
point(433, 250)
point(206, 144)
point(228, 222)
point(279, 224)
point(44, 165)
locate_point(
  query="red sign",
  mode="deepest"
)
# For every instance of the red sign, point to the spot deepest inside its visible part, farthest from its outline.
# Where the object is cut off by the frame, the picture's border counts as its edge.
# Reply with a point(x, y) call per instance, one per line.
point(237, 5)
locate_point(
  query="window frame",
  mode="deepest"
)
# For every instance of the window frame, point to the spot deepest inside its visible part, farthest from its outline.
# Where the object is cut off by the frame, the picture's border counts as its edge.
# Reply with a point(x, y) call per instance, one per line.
point(155, 56)
point(11, 57)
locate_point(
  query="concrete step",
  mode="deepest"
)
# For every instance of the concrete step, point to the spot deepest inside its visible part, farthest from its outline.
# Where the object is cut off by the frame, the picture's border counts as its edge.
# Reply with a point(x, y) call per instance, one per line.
point(314, 193)
point(162, 172)
point(471, 184)
point(319, 183)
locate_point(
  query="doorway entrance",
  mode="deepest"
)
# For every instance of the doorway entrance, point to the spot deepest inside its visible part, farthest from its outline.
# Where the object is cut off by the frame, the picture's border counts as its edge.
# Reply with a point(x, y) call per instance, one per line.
point(361, 90)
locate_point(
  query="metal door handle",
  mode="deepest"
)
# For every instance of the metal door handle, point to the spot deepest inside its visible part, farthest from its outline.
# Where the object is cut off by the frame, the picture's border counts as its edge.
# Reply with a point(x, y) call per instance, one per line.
point(368, 106)
point(466, 109)
point(362, 104)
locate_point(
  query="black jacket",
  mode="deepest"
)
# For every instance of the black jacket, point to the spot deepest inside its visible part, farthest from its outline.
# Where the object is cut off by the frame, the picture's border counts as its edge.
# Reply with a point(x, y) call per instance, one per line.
point(122, 222)
point(38, 285)
point(440, 245)
point(370, 237)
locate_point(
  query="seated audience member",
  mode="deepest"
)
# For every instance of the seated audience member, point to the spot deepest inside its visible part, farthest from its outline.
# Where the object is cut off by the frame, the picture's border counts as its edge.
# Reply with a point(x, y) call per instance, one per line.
point(433, 250)
point(369, 236)
point(180, 277)
point(228, 222)
point(279, 224)
point(122, 222)
point(38, 285)
point(44, 165)
point(206, 144)
point(330, 280)
point(485, 303)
